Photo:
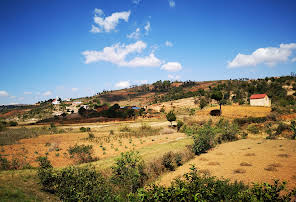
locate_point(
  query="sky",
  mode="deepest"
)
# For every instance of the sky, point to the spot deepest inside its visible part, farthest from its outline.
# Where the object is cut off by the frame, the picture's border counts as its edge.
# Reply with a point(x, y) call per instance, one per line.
point(75, 48)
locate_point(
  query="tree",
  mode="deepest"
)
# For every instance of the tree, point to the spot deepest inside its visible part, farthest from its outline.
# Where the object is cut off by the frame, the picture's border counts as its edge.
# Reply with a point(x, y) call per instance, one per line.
point(171, 116)
point(218, 96)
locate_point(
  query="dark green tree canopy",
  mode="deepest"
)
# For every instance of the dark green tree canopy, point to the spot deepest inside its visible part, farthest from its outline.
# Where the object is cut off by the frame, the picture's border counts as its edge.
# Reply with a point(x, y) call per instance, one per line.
point(171, 116)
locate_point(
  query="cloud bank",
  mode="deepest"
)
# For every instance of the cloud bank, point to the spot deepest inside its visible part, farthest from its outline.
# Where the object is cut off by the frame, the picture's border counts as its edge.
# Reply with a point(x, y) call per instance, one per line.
point(269, 56)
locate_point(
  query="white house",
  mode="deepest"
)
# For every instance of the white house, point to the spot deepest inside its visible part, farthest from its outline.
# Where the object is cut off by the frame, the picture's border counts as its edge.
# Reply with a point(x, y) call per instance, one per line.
point(260, 100)
point(55, 102)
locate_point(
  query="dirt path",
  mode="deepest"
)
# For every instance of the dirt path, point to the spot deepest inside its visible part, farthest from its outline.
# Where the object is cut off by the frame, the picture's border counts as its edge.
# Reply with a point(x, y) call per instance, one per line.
point(246, 160)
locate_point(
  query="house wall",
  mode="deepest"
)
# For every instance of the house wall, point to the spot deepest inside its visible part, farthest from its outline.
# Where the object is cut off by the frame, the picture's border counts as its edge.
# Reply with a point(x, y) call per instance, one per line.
point(266, 102)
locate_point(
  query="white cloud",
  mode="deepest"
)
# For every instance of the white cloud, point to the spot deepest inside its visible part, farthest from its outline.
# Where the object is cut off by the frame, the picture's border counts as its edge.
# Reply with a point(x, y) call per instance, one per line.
point(117, 54)
point(168, 44)
point(140, 82)
point(122, 84)
point(172, 67)
point(47, 93)
point(3, 93)
point(74, 89)
point(148, 61)
point(13, 103)
point(269, 56)
point(174, 77)
point(109, 23)
point(293, 59)
point(172, 3)
point(12, 97)
point(21, 98)
point(147, 27)
point(95, 29)
point(98, 11)
point(27, 93)
point(135, 34)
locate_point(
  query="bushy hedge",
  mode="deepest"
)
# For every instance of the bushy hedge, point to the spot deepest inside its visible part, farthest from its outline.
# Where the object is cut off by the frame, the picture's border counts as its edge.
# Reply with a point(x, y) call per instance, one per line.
point(196, 187)
point(74, 183)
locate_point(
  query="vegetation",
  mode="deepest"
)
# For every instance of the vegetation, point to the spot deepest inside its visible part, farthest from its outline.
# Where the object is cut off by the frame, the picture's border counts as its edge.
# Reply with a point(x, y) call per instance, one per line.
point(83, 153)
point(171, 117)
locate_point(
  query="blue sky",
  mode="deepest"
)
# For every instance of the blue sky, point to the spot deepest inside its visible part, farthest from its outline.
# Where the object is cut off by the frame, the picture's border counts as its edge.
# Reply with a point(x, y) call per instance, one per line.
point(76, 48)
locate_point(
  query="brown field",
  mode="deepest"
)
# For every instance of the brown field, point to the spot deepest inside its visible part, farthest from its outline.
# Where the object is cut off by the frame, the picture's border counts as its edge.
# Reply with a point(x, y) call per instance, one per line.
point(238, 111)
point(105, 145)
point(249, 160)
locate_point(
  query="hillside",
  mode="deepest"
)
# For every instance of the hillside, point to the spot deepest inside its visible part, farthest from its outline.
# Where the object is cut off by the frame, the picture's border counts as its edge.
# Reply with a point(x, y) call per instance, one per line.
point(188, 94)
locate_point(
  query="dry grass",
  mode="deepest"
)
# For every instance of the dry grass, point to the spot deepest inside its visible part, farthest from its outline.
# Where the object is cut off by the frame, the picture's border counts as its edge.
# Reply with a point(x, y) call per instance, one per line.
point(238, 111)
point(205, 172)
point(270, 168)
point(250, 154)
point(239, 171)
point(276, 165)
point(203, 159)
point(283, 155)
point(219, 153)
point(213, 163)
point(245, 164)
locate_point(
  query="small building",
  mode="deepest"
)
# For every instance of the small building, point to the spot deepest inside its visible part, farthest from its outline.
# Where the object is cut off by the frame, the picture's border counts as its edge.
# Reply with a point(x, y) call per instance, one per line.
point(55, 102)
point(260, 100)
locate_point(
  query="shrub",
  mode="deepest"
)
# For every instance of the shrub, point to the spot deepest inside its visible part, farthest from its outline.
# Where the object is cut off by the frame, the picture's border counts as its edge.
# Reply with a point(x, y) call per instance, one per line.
point(203, 140)
point(215, 112)
point(91, 135)
point(196, 187)
point(74, 183)
point(83, 153)
point(253, 129)
point(179, 124)
point(83, 129)
point(293, 129)
point(203, 103)
point(13, 123)
point(281, 127)
point(168, 161)
point(128, 172)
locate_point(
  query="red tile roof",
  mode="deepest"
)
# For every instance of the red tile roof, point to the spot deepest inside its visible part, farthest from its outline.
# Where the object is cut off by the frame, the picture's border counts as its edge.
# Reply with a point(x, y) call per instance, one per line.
point(258, 96)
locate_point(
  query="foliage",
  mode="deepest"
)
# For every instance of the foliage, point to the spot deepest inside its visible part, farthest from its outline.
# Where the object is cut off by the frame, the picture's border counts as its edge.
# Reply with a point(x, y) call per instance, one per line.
point(196, 187)
point(128, 172)
point(253, 129)
point(83, 129)
point(203, 140)
point(179, 124)
point(168, 161)
point(293, 128)
point(171, 116)
point(74, 183)
point(203, 103)
point(83, 153)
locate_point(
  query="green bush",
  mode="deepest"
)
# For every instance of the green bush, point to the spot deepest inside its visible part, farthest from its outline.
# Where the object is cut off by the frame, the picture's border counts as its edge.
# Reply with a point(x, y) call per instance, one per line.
point(83, 153)
point(171, 117)
point(203, 140)
point(74, 183)
point(13, 123)
point(293, 129)
point(196, 187)
point(168, 161)
point(253, 129)
point(128, 173)
point(179, 124)
point(83, 129)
